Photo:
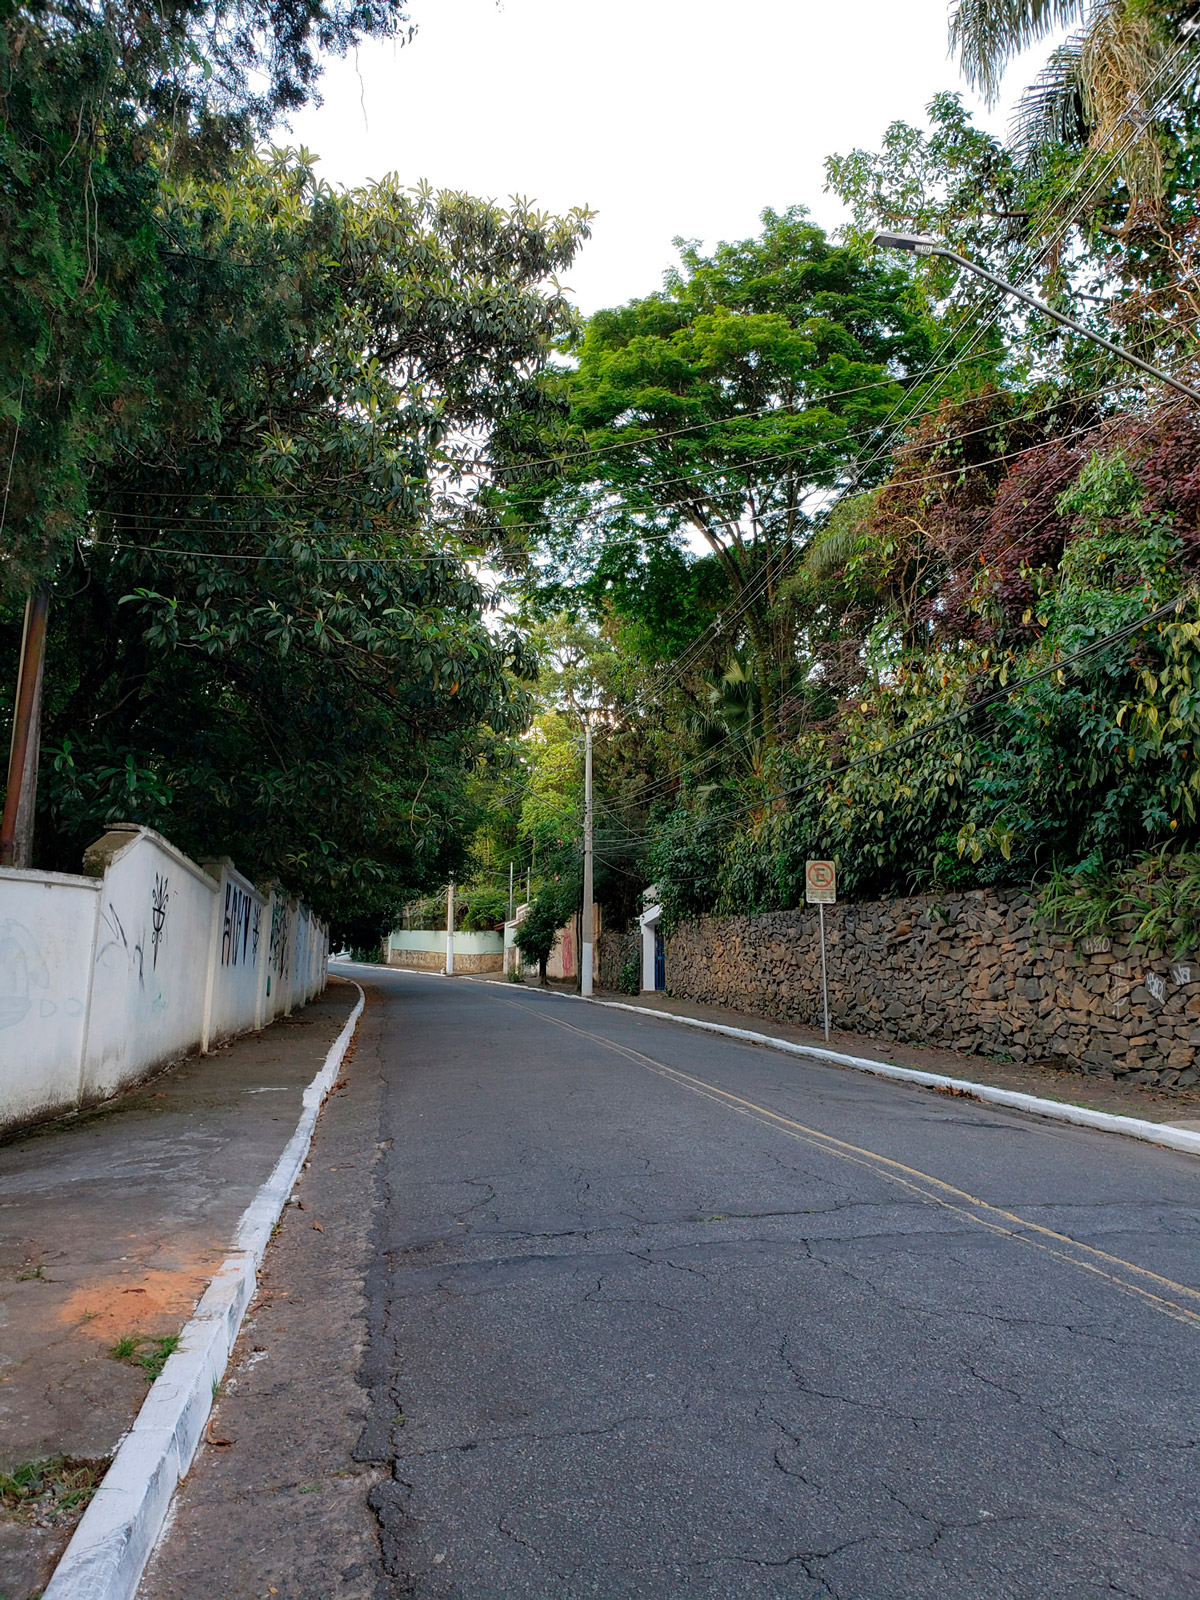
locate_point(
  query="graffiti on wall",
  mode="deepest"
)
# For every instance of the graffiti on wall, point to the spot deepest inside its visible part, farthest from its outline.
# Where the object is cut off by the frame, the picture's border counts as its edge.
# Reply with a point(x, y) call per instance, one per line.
point(117, 946)
point(22, 968)
point(160, 900)
point(279, 935)
point(235, 939)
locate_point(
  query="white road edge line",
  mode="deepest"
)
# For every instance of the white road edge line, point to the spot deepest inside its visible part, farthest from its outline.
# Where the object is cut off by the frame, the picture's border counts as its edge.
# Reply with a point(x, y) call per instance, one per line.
point(110, 1547)
point(1131, 1127)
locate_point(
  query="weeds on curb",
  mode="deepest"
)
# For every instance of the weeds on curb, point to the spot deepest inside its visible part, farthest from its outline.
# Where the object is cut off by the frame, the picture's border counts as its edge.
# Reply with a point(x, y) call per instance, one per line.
point(135, 1350)
point(49, 1490)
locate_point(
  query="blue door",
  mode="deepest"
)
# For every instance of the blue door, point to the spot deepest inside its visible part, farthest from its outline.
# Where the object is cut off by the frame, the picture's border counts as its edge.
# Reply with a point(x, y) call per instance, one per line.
point(660, 961)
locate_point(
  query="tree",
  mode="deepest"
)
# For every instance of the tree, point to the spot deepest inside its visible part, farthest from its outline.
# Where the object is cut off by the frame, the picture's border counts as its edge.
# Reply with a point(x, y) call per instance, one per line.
point(725, 408)
point(271, 640)
point(553, 906)
point(1105, 88)
point(99, 102)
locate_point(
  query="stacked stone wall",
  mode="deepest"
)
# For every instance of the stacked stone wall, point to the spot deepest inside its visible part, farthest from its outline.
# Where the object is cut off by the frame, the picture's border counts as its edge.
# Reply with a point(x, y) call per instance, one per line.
point(435, 961)
point(970, 972)
point(613, 952)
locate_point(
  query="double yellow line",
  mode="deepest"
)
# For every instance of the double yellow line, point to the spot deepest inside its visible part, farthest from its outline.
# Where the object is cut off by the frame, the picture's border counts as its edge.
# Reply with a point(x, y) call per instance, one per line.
point(1126, 1276)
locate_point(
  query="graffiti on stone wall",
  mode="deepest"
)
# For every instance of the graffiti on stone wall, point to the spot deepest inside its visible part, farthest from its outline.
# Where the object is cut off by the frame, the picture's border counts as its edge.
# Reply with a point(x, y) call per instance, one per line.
point(256, 932)
point(235, 939)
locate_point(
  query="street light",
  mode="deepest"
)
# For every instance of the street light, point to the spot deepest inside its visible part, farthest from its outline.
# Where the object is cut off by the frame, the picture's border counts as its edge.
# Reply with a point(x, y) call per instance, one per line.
point(920, 244)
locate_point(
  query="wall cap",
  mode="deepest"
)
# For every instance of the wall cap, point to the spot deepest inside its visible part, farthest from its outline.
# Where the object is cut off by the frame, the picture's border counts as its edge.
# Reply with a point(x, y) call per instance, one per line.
point(122, 836)
point(216, 866)
point(69, 880)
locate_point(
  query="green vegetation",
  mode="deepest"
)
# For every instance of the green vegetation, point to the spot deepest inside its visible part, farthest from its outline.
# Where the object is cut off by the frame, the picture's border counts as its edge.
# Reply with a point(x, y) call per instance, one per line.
point(138, 1350)
point(351, 523)
point(50, 1489)
point(944, 630)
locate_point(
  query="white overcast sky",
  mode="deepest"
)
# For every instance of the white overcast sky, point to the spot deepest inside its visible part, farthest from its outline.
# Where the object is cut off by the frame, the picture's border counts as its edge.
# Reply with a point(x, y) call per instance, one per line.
point(667, 117)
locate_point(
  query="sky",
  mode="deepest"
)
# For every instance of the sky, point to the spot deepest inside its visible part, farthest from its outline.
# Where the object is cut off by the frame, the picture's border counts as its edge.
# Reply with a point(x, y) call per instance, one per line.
point(666, 117)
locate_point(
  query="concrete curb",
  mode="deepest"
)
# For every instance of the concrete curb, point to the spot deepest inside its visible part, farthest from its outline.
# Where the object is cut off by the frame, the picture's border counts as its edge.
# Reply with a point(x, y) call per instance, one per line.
point(110, 1547)
point(1130, 1127)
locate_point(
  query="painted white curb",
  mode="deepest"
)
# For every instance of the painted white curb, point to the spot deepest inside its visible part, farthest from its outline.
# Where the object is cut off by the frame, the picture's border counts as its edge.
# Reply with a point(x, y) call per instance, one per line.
point(111, 1545)
point(1132, 1127)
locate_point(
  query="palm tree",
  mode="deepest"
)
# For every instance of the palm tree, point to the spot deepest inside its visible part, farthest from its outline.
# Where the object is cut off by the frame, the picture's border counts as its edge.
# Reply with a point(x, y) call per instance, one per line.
point(1106, 88)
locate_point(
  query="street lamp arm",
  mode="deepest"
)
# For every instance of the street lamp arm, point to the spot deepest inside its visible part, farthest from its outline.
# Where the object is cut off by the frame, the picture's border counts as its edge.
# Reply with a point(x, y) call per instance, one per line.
point(920, 245)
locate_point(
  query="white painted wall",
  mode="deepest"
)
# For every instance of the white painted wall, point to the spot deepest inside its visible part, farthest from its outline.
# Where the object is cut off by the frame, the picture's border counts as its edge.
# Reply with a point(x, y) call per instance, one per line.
point(434, 939)
point(238, 953)
point(47, 935)
point(152, 956)
point(648, 922)
point(105, 977)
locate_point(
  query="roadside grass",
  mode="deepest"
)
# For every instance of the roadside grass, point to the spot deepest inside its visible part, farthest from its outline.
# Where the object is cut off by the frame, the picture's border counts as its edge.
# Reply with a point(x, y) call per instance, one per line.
point(136, 1350)
point(49, 1490)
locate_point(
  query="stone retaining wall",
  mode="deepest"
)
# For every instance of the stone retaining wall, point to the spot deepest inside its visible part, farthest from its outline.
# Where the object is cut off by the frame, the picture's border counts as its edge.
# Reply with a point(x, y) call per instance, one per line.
point(435, 961)
point(970, 972)
point(613, 952)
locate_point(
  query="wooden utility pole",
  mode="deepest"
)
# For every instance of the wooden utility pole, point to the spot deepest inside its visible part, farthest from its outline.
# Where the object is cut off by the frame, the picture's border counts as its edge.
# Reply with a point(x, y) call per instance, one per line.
point(20, 796)
point(586, 934)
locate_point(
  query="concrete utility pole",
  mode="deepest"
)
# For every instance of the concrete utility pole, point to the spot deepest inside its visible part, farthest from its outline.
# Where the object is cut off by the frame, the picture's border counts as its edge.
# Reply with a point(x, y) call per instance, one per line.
point(510, 891)
point(450, 930)
point(528, 884)
point(16, 829)
point(586, 934)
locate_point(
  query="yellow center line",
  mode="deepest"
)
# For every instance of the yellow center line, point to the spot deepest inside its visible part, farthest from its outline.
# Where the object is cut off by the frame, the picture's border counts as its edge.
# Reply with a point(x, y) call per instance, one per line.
point(995, 1219)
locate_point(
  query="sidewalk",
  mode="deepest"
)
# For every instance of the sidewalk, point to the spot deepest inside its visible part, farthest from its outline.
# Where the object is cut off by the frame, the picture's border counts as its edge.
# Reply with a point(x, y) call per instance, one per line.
point(1180, 1108)
point(111, 1225)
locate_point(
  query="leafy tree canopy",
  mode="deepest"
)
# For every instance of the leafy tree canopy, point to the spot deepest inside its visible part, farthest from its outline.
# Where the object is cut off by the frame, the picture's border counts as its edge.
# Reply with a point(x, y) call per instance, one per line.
point(719, 412)
point(270, 642)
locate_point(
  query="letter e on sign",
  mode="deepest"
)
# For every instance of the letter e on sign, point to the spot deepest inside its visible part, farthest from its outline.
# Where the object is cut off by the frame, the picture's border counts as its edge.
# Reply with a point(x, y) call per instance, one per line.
point(820, 883)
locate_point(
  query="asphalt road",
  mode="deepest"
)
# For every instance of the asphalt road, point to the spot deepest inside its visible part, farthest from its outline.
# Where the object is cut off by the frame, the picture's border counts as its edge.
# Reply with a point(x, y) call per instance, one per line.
point(652, 1313)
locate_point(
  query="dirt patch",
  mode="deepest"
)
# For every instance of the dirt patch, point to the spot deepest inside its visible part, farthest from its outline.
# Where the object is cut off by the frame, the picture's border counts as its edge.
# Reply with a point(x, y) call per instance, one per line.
point(134, 1301)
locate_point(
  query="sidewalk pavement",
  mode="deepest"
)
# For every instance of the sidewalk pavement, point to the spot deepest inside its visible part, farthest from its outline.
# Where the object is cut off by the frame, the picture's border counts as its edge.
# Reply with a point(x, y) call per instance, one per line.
point(112, 1223)
point(1179, 1108)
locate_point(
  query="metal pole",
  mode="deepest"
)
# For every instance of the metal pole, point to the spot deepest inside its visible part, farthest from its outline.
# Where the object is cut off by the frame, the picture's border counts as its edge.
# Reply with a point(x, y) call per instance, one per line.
point(824, 979)
point(510, 891)
point(1068, 322)
point(16, 829)
point(922, 245)
point(586, 939)
point(450, 930)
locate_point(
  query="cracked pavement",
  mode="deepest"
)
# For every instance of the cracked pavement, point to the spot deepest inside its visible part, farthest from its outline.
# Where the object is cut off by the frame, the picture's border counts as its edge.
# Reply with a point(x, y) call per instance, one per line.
point(628, 1336)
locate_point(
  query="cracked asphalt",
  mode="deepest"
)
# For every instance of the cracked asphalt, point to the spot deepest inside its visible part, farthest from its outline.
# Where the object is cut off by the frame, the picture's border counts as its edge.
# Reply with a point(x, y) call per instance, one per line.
point(653, 1313)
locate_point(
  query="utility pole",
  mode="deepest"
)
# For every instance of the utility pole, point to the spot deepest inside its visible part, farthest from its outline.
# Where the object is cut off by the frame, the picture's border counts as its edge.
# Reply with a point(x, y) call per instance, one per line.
point(528, 884)
point(510, 891)
point(16, 829)
point(586, 934)
point(450, 930)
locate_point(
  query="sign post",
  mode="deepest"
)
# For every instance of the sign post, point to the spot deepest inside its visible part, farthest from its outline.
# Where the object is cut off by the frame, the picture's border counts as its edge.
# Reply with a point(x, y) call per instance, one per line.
point(820, 889)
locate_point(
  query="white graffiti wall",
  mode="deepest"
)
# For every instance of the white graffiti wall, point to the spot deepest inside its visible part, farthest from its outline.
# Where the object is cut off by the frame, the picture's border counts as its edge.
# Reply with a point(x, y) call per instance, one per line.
point(105, 977)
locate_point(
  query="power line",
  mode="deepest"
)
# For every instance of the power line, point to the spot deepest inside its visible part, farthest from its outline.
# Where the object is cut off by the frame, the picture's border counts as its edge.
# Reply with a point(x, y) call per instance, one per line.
point(656, 789)
point(950, 720)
